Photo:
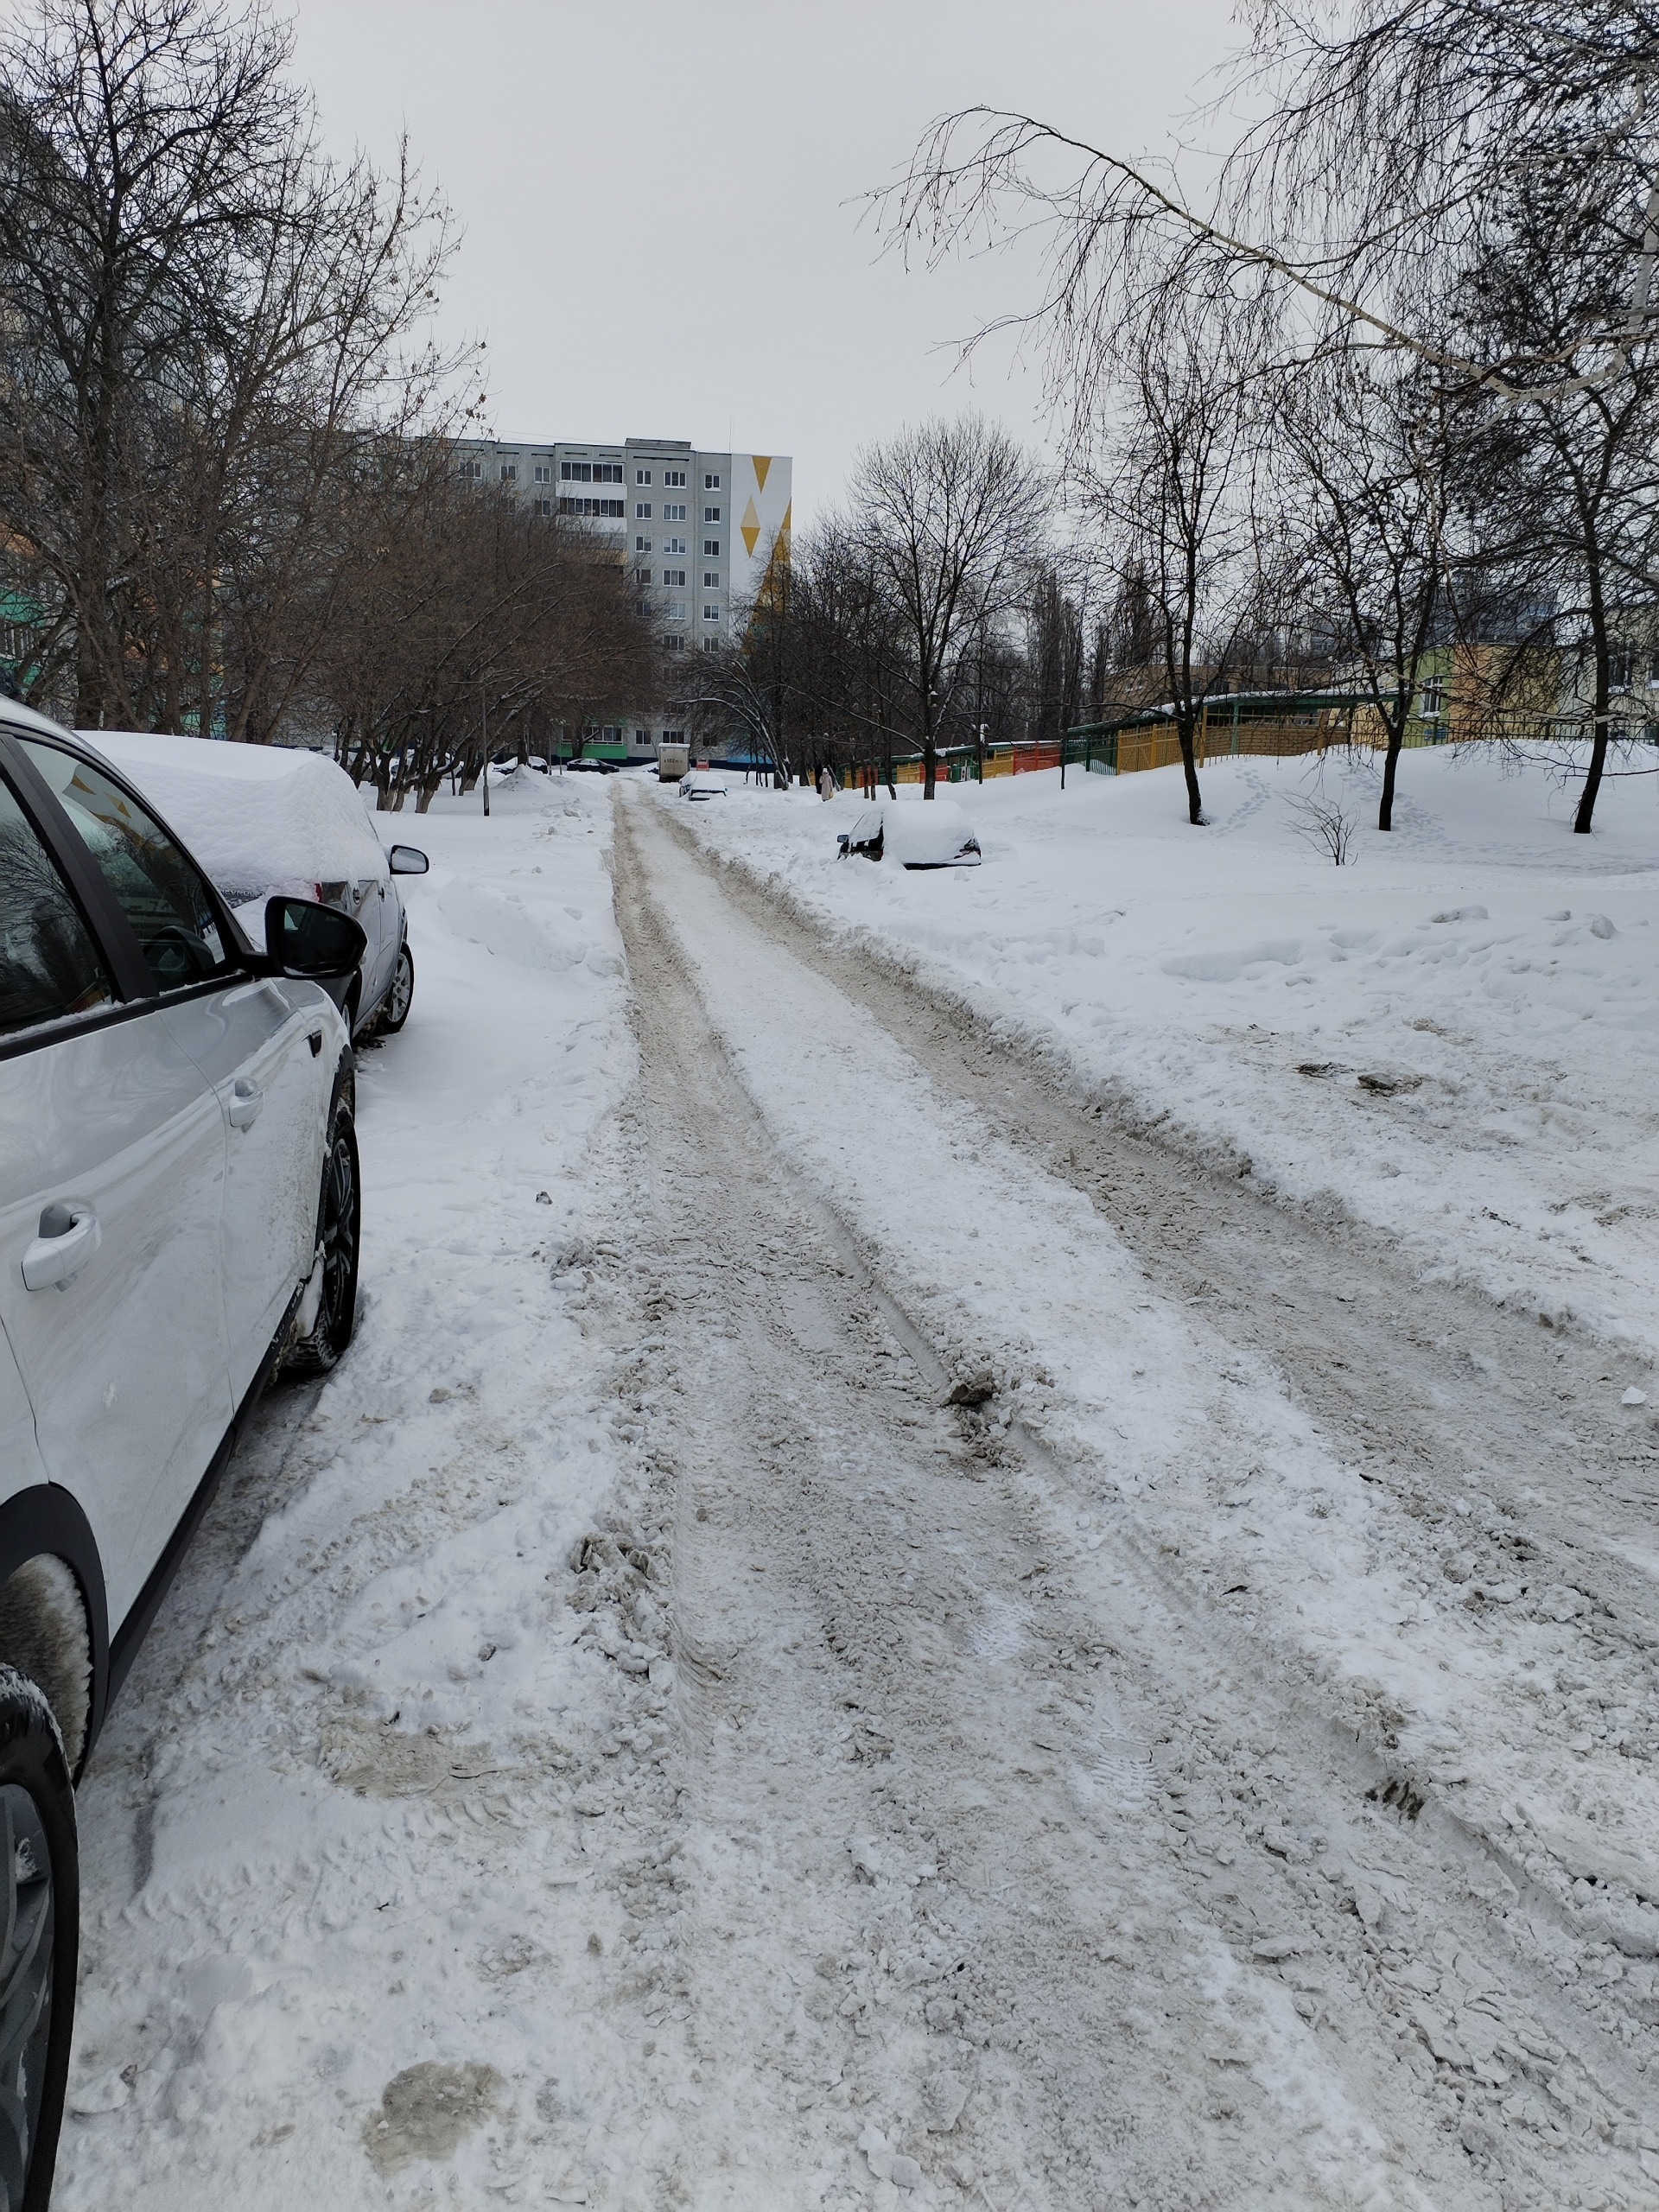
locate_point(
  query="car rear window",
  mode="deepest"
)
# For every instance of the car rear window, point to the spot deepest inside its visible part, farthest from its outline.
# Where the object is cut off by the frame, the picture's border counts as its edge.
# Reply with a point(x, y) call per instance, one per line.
point(49, 966)
point(163, 894)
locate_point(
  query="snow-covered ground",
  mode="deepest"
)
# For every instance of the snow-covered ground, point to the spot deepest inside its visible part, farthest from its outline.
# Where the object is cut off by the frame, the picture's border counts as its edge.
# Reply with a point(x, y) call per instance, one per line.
point(1456, 1037)
point(321, 1843)
point(849, 1634)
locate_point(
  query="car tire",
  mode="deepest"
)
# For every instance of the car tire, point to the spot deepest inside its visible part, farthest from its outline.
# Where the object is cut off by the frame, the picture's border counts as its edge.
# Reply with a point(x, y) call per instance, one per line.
point(400, 993)
point(338, 1227)
point(41, 1941)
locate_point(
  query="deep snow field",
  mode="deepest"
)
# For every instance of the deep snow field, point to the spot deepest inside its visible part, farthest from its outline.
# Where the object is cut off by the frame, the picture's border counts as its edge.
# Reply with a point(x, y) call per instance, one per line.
point(1495, 972)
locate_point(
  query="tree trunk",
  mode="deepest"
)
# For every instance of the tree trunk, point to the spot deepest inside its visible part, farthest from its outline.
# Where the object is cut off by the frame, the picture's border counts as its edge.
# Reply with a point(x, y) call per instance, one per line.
point(1391, 762)
point(929, 764)
point(1582, 819)
point(1189, 770)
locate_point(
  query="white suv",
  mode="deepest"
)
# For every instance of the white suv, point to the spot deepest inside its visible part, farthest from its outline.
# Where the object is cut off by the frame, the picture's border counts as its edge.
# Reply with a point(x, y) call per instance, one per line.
point(178, 1218)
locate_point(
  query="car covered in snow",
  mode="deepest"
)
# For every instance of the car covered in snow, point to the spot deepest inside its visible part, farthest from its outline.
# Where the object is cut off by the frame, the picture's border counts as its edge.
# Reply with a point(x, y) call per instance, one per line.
point(702, 784)
point(179, 1216)
point(264, 819)
point(917, 834)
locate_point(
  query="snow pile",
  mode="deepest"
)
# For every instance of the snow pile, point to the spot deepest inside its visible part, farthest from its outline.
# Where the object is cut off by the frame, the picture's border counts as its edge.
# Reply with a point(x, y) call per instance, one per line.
point(260, 818)
point(1452, 1038)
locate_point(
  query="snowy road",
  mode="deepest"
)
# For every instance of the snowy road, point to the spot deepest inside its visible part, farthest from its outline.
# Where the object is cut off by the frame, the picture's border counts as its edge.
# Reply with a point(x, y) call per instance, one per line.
point(1126, 1849)
point(1212, 1766)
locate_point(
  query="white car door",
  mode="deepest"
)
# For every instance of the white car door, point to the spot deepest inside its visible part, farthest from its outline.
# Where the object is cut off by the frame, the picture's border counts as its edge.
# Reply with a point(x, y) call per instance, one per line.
point(112, 1175)
point(267, 1048)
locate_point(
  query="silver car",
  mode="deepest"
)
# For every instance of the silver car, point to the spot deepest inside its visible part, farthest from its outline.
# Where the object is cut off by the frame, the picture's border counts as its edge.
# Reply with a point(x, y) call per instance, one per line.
point(178, 1217)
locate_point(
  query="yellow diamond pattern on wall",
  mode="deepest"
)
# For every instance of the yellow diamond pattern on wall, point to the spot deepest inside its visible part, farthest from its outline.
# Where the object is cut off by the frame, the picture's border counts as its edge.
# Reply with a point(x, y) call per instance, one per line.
point(750, 526)
point(762, 463)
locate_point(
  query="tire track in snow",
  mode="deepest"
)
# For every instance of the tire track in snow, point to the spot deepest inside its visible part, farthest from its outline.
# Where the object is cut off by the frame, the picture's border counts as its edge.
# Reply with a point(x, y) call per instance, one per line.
point(1289, 1936)
point(1522, 1481)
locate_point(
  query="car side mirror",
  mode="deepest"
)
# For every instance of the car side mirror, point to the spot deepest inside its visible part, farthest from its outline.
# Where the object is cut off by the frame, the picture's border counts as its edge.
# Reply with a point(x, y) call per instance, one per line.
point(317, 942)
point(407, 860)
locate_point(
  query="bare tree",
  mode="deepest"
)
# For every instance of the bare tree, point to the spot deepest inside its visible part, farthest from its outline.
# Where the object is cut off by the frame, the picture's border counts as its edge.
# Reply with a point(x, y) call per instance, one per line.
point(1171, 489)
point(1368, 458)
point(201, 320)
point(476, 619)
point(951, 517)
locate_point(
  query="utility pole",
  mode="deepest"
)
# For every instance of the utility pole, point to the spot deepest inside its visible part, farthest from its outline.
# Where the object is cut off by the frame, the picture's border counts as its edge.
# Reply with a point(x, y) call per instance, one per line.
point(483, 724)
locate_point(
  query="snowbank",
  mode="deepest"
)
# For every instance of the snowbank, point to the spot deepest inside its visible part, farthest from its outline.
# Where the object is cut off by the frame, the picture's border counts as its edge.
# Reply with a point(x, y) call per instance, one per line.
point(400, 1693)
point(260, 817)
point(1452, 1038)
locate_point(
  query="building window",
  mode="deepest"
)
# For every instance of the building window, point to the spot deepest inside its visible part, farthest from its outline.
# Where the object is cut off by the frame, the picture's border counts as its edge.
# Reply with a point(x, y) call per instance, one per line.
point(711, 614)
point(607, 472)
point(711, 549)
point(642, 545)
point(711, 514)
point(642, 476)
point(711, 483)
point(711, 580)
point(671, 736)
point(642, 511)
point(471, 471)
point(576, 471)
point(711, 645)
point(604, 510)
point(673, 545)
point(674, 476)
point(1434, 698)
point(675, 610)
point(673, 513)
point(611, 735)
point(673, 645)
point(642, 575)
point(509, 471)
point(544, 507)
point(543, 474)
point(674, 579)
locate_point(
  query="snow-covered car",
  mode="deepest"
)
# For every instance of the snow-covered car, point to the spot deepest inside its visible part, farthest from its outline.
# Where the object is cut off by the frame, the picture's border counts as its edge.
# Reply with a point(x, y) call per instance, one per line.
point(917, 834)
point(179, 1216)
point(264, 819)
point(702, 785)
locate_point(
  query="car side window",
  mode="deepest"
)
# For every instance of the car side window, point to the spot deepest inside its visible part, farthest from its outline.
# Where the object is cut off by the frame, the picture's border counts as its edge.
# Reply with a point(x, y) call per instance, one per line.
point(49, 966)
point(163, 894)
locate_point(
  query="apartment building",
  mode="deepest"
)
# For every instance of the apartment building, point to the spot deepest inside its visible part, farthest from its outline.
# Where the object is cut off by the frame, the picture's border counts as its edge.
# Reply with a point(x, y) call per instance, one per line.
point(699, 532)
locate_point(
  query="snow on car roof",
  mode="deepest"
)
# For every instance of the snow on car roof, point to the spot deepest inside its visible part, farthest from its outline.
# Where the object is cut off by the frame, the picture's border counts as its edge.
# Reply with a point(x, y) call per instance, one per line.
point(260, 817)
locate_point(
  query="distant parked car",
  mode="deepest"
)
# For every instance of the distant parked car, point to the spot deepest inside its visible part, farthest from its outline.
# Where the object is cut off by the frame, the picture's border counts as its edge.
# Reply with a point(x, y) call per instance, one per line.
point(591, 767)
point(701, 784)
point(179, 1216)
point(265, 818)
point(917, 834)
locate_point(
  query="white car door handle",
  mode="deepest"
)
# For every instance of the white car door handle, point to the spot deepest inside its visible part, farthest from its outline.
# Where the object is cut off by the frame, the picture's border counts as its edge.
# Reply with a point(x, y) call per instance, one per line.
point(246, 1099)
point(67, 1240)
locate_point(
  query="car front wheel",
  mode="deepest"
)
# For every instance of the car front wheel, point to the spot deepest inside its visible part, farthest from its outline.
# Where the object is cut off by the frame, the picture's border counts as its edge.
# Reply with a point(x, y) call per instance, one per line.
point(41, 1881)
point(400, 996)
point(339, 1221)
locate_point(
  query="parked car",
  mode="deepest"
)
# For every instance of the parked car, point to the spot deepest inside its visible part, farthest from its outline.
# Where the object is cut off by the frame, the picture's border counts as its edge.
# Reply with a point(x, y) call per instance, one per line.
point(701, 784)
point(591, 767)
point(917, 834)
point(179, 1214)
point(267, 819)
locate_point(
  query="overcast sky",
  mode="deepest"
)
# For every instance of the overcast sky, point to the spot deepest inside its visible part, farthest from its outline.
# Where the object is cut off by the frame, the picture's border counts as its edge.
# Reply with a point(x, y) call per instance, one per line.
point(656, 198)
